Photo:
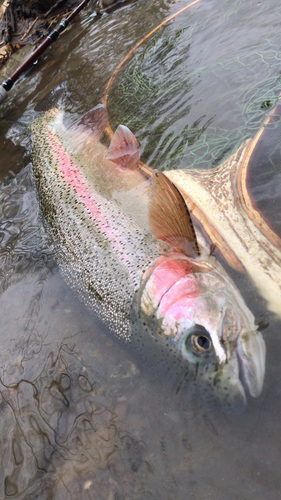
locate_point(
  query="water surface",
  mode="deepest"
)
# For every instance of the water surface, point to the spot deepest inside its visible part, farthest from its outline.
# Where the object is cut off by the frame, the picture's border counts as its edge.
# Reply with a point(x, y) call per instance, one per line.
point(79, 417)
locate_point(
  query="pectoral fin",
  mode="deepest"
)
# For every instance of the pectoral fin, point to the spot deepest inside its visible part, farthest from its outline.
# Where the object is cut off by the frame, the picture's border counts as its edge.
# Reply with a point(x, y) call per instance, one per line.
point(169, 216)
point(124, 149)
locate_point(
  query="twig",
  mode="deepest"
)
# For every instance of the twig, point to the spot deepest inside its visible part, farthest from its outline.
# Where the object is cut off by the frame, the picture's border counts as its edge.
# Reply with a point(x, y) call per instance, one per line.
point(29, 29)
point(53, 8)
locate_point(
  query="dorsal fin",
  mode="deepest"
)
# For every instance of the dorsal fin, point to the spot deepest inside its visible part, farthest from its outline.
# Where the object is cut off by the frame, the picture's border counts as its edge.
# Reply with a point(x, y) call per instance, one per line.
point(124, 149)
point(93, 123)
point(169, 216)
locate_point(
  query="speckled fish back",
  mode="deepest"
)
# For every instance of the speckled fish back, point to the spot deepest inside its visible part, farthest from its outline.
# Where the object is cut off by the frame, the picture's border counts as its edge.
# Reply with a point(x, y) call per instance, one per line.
point(101, 252)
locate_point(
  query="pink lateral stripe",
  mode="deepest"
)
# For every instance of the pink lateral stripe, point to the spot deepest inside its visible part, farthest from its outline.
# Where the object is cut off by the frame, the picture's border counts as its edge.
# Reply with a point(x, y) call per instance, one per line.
point(73, 178)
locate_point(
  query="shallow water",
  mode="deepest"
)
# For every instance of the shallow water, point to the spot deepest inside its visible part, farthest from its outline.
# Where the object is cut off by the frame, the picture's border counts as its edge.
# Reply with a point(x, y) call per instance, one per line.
point(79, 417)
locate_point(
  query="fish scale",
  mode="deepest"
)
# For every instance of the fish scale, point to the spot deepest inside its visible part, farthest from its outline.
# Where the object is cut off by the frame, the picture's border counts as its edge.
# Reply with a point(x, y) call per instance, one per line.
point(87, 228)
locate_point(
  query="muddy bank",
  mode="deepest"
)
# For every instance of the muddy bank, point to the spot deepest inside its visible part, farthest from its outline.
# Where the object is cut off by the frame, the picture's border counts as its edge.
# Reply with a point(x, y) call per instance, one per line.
point(27, 23)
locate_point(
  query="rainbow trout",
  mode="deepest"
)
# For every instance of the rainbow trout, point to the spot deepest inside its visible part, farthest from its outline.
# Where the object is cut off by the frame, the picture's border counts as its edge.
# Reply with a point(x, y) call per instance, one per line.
point(127, 246)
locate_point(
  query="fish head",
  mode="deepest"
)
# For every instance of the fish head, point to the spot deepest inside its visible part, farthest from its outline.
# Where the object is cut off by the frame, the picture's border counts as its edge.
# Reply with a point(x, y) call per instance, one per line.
point(203, 316)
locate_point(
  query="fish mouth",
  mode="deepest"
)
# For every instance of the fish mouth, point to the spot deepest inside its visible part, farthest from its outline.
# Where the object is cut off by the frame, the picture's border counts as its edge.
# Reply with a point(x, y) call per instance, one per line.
point(242, 372)
point(229, 390)
point(224, 387)
point(243, 369)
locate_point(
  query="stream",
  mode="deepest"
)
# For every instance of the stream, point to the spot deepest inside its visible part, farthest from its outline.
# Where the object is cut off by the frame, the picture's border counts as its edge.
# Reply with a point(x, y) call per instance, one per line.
point(80, 418)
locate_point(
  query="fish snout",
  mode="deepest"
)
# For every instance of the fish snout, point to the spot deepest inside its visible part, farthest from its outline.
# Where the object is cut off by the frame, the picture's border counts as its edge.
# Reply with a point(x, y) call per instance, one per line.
point(251, 353)
point(243, 369)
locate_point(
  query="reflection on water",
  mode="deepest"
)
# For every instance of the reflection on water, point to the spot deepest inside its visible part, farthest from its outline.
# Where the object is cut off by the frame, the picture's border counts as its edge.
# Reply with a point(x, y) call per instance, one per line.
point(62, 434)
point(156, 84)
point(79, 419)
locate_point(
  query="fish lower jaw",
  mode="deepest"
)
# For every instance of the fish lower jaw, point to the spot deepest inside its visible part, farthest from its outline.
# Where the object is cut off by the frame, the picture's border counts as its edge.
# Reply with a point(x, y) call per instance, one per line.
point(226, 389)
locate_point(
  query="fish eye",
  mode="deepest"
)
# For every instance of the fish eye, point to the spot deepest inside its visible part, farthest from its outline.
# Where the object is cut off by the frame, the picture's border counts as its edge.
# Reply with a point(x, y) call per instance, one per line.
point(201, 343)
point(197, 344)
